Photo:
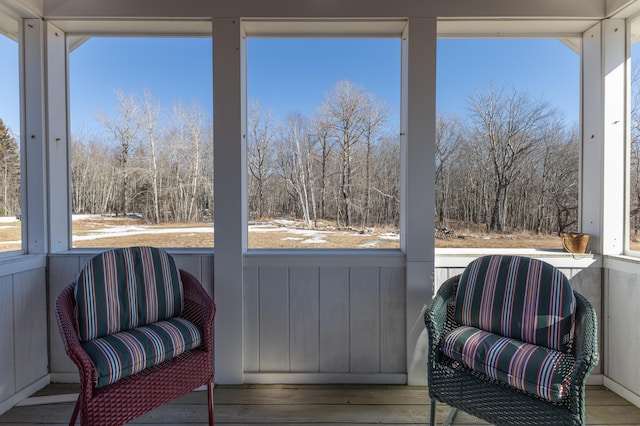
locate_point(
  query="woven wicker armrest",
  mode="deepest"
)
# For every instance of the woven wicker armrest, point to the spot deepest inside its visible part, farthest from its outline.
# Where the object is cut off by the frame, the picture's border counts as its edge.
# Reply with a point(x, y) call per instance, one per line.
point(435, 316)
point(65, 316)
point(198, 306)
point(585, 343)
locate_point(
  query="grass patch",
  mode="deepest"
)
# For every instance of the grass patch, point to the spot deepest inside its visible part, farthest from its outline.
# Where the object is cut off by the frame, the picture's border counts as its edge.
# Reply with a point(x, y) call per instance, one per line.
point(106, 232)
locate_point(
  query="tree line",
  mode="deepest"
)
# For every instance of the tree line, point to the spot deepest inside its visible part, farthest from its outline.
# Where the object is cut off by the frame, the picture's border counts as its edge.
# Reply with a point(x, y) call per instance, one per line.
point(9, 173)
point(506, 163)
point(510, 163)
point(150, 163)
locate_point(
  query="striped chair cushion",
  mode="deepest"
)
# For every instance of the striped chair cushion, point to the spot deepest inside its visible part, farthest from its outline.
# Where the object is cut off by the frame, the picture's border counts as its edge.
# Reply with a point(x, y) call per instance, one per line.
point(125, 288)
point(122, 354)
point(518, 297)
point(530, 368)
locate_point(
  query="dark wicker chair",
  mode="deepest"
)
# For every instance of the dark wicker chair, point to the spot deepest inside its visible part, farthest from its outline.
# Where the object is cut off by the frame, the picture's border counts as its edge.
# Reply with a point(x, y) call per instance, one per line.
point(136, 394)
point(464, 388)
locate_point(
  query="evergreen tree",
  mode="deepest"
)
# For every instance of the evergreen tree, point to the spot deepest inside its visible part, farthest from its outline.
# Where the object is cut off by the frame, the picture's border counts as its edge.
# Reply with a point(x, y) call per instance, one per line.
point(9, 172)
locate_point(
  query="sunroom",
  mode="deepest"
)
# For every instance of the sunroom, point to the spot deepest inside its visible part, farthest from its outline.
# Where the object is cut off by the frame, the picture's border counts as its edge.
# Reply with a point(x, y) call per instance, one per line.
point(363, 307)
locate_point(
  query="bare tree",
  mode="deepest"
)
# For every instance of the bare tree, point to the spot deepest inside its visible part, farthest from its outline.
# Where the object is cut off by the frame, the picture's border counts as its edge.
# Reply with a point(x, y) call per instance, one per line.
point(447, 140)
point(506, 128)
point(92, 174)
point(375, 119)
point(259, 151)
point(124, 128)
point(323, 129)
point(347, 105)
point(634, 151)
point(148, 123)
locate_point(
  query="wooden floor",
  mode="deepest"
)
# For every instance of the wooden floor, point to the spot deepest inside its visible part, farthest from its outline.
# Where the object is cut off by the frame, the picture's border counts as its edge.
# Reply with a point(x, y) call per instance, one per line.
point(316, 405)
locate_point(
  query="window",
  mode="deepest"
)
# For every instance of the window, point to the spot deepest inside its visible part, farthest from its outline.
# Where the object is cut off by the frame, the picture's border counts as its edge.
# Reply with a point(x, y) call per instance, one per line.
point(10, 195)
point(142, 142)
point(323, 144)
point(507, 143)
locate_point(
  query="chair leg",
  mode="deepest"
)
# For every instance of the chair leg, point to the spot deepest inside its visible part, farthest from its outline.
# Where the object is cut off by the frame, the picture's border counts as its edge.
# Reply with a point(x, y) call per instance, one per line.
point(432, 416)
point(210, 402)
point(76, 410)
point(452, 417)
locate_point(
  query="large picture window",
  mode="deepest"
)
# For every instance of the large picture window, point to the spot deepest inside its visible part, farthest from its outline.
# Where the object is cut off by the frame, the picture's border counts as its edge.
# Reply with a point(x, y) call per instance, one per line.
point(323, 146)
point(142, 142)
point(10, 176)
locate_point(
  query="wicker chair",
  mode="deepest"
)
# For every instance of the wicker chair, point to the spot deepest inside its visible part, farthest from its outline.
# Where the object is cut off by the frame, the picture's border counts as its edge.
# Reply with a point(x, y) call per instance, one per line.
point(116, 397)
point(457, 362)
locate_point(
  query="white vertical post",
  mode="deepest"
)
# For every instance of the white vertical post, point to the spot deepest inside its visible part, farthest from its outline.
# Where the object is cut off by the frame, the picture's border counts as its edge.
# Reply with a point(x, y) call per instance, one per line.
point(229, 94)
point(34, 163)
point(418, 182)
point(603, 135)
point(58, 171)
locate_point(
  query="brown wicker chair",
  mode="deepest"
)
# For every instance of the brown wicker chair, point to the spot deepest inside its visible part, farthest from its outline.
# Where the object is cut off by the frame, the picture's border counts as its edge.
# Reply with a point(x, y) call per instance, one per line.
point(136, 394)
point(465, 385)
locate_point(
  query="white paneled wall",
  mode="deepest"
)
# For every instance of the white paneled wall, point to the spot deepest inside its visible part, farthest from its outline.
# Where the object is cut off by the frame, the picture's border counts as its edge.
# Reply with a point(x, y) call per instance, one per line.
point(622, 344)
point(329, 322)
point(23, 333)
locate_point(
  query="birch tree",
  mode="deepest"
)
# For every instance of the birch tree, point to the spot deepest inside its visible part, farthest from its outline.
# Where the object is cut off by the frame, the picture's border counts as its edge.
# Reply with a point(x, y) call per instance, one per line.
point(295, 163)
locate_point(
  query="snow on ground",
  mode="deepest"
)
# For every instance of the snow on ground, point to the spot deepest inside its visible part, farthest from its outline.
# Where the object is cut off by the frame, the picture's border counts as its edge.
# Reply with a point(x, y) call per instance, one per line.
point(305, 236)
point(125, 231)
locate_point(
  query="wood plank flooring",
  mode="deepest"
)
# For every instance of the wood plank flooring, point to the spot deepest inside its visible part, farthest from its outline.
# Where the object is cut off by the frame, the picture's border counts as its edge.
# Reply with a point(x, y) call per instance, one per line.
point(296, 405)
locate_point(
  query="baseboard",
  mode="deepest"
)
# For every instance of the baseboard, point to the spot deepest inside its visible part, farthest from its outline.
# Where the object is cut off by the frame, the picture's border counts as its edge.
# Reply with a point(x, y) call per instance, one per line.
point(50, 399)
point(595, 380)
point(65, 378)
point(324, 378)
point(16, 398)
point(627, 394)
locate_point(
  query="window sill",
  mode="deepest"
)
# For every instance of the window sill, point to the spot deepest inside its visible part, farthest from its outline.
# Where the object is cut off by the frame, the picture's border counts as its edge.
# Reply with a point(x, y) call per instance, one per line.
point(15, 264)
point(461, 257)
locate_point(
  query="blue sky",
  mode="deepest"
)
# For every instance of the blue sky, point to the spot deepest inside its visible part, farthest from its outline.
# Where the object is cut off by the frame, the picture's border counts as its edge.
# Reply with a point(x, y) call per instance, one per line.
point(290, 75)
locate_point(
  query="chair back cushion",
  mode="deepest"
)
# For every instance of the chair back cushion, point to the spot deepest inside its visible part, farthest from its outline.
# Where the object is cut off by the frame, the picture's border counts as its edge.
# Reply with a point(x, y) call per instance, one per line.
point(517, 297)
point(126, 288)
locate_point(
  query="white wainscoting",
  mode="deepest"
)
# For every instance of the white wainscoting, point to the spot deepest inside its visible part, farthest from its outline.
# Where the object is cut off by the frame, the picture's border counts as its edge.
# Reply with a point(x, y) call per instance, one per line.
point(23, 329)
point(324, 318)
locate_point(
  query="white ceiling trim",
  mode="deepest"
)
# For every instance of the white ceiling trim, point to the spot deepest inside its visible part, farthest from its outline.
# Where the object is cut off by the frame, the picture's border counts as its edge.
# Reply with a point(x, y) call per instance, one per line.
point(135, 27)
point(505, 27)
point(324, 27)
point(369, 27)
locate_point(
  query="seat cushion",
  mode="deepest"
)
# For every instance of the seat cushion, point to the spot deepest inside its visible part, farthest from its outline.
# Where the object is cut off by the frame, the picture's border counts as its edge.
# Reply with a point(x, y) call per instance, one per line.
point(534, 369)
point(122, 354)
point(126, 288)
point(518, 297)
